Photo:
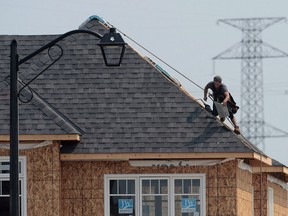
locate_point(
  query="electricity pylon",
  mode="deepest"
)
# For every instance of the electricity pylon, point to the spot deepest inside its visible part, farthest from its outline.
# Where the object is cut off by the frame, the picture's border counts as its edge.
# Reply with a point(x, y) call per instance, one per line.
point(251, 50)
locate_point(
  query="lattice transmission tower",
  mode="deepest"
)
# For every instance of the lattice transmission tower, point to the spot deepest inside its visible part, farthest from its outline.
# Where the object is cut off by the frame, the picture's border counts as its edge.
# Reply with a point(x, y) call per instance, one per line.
point(251, 50)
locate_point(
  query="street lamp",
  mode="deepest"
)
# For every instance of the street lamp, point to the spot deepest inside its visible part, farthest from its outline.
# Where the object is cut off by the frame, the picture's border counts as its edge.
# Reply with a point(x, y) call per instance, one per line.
point(109, 43)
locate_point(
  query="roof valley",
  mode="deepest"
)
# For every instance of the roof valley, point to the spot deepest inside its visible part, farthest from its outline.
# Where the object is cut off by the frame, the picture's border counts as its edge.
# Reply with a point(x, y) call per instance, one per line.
point(54, 114)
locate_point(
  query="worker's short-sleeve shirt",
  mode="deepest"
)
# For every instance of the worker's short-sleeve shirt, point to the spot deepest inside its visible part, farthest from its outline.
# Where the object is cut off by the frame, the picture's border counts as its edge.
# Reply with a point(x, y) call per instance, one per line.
point(218, 94)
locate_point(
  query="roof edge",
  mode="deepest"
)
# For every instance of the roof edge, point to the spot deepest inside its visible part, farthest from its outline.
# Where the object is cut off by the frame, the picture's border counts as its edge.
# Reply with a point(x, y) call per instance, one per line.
point(262, 158)
point(160, 156)
point(273, 169)
point(42, 137)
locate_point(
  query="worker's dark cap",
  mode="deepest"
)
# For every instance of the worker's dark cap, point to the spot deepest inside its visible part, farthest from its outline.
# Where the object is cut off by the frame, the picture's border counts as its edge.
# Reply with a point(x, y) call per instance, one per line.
point(218, 79)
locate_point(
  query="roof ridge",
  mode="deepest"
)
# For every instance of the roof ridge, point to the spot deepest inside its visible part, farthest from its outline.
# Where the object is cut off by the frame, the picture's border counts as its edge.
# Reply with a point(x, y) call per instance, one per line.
point(94, 17)
point(54, 114)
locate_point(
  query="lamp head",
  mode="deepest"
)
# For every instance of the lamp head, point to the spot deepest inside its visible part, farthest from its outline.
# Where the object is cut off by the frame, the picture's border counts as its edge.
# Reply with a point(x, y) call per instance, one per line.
point(112, 47)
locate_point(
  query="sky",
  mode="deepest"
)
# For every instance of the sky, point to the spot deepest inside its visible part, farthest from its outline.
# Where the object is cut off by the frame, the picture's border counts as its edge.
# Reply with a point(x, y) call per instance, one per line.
point(184, 34)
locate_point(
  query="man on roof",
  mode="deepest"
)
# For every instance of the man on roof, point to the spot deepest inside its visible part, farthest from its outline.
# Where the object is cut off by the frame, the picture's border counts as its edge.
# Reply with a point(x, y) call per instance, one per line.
point(221, 95)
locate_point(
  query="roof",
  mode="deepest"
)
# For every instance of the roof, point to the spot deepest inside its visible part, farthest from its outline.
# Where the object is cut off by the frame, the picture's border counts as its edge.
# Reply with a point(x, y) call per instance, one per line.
point(127, 109)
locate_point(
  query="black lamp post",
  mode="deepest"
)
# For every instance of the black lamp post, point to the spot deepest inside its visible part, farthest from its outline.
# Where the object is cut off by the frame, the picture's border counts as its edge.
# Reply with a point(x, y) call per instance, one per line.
point(109, 43)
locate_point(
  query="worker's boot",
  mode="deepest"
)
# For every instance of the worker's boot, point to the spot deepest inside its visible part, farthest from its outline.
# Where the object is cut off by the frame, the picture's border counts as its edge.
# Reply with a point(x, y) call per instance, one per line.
point(237, 130)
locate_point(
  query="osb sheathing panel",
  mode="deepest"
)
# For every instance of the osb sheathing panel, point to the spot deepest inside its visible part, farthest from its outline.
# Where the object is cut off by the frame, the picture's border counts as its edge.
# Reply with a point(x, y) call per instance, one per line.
point(244, 192)
point(260, 194)
point(83, 185)
point(244, 203)
point(4, 152)
point(280, 199)
point(280, 210)
point(43, 180)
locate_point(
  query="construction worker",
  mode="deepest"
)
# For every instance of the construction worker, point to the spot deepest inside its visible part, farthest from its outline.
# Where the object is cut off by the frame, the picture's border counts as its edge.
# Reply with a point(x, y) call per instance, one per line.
point(221, 95)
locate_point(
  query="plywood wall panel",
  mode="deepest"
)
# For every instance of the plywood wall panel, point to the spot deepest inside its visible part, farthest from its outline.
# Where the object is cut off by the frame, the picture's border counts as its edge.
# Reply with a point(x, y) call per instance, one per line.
point(43, 180)
point(77, 188)
point(244, 193)
point(259, 182)
point(98, 169)
point(280, 199)
point(227, 206)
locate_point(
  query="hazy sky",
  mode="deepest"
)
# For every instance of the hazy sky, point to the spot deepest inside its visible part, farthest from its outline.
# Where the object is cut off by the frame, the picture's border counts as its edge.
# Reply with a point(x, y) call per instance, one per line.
point(183, 33)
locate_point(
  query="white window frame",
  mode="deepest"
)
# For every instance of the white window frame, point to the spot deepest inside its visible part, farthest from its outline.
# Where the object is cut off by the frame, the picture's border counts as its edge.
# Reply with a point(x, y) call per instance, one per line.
point(140, 194)
point(270, 202)
point(22, 178)
point(139, 177)
point(253, 212)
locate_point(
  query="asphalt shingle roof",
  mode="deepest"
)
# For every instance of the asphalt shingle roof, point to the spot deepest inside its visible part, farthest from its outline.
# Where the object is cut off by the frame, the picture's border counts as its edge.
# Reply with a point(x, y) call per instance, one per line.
point(131, 108)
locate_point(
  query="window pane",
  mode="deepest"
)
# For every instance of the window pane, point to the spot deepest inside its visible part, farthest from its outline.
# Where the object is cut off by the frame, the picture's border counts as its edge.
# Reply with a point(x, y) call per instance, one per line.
point(187, 186)
point(113, 186)
point(4, 205)
point(196, 182)
point(131, 186)
point(178, 186)
point(155, 206)
point(4, 167)
point(122, 205)
point(145, 186)
point(196, 186)
point(122, 187)
point(163, 186)
point(4, 188)
point(154, 186)
point(187, 205)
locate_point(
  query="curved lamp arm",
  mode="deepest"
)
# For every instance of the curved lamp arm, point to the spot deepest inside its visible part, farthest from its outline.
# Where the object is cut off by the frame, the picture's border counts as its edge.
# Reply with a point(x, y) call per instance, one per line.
point(56, 40)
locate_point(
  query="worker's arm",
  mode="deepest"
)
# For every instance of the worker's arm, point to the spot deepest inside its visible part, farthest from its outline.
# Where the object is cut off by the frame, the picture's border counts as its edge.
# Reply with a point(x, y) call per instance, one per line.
point(205, 93)
point(226, 99)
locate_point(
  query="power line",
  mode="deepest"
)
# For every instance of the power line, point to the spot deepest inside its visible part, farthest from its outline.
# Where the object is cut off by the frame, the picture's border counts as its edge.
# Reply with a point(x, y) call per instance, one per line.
point(158, 57)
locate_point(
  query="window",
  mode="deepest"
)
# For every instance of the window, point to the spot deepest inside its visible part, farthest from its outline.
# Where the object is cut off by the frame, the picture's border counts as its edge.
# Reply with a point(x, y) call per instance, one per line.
point(122, 197)
point(187, 197)
point(155, 195)
point(5, 185)
point(270, 202)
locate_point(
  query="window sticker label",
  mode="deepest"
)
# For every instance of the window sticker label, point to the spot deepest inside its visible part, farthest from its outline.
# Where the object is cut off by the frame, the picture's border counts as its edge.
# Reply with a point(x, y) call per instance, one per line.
point(125, 206)
point(188, 205)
